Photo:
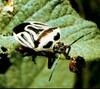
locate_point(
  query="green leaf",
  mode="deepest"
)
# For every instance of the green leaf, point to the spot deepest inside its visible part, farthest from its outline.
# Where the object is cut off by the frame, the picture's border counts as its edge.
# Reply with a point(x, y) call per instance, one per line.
point(56, 13)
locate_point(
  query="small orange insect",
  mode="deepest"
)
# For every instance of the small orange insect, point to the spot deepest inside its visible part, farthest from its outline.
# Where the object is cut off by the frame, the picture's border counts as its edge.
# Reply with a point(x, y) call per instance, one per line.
point(76, 64)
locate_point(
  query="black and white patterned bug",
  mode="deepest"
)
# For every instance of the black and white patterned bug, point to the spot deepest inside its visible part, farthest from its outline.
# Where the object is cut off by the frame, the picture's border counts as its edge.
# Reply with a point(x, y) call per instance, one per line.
point(40, 39)
point(37, 36)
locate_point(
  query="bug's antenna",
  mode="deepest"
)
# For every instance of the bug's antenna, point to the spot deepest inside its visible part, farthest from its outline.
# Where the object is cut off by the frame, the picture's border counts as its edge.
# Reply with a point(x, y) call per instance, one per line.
point(69, 46)
point(79, 38)
point(55, 64)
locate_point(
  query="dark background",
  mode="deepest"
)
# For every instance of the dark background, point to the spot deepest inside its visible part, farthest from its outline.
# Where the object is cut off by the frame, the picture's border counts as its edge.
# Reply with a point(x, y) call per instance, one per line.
point(88, 9)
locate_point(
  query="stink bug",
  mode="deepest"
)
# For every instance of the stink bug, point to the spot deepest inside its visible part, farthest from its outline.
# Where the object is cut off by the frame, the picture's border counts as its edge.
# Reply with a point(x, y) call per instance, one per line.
point(40, 39)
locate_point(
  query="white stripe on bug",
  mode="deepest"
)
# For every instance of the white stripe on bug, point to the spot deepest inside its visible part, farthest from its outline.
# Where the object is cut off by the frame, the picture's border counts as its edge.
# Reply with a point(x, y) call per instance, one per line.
point(29, 39)
point(22, 40)
point(16, 37)
point(31, 32)
point(39, 25)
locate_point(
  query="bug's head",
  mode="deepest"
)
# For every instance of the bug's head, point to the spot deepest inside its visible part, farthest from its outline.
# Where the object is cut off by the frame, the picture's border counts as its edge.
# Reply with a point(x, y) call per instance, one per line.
point(59, 47)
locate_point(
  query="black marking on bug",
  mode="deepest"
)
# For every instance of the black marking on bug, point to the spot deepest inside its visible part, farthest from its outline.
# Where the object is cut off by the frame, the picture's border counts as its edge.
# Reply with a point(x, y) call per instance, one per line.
point(57, 37)
point(20, 40)
point(4, 49)
point(36, 43)
point(48, 45)
point(23, 36)
point(20, 28)
point(34, 29)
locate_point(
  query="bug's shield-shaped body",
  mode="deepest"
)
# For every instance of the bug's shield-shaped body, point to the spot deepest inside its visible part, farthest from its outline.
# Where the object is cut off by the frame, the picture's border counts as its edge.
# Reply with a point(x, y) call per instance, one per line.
point(37, 36)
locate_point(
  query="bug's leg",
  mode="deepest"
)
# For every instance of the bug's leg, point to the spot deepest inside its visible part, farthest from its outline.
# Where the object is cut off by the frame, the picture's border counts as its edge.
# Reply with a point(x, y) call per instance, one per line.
point(51, 60)
point(24, 51)
point(66, 54)
point(31, 52)
point(33, 59)
point(28, 52)
point(69, 48)
point(53, 67)
point(34, 54)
